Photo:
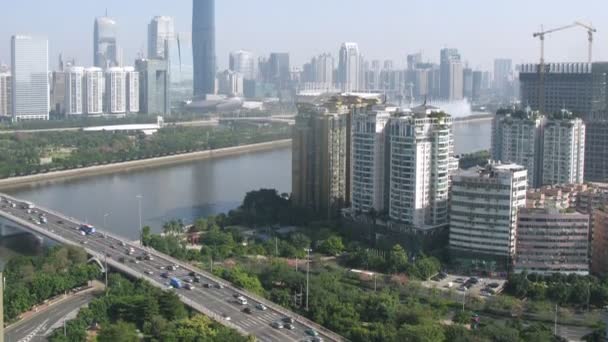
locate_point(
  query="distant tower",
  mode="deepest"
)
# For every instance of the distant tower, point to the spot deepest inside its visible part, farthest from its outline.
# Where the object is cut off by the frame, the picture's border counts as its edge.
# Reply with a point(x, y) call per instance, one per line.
point(160, 30)
point(203, 46)
point(105, 50)
point(348, 67)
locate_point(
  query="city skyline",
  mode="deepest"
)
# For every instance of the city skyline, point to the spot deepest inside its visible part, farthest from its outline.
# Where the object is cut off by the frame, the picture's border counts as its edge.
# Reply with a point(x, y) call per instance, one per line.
point(242, 25)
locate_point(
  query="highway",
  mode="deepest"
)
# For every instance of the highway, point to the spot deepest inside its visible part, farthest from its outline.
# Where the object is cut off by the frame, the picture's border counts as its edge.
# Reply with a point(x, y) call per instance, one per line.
point(217, 302)
point(40, 325)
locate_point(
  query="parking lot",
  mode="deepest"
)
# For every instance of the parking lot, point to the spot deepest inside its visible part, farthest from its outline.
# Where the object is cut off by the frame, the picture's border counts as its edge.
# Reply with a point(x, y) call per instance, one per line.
point(475, 286)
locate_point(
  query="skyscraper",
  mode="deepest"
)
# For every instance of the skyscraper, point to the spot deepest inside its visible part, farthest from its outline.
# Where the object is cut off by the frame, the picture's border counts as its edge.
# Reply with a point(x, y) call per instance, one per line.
point(203, 46)
point(451, 83)
point(105, 49)
point(503, 71)
point(242, 61)
point(279, 69)
point(74, 97)
point(93, 91)
point(154, 86)
point(563, 156)
point(160, 31)
point(30, 80)
point(348, 67)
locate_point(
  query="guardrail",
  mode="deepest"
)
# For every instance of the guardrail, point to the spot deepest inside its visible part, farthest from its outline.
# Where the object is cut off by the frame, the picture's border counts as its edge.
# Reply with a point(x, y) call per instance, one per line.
point(124, 268)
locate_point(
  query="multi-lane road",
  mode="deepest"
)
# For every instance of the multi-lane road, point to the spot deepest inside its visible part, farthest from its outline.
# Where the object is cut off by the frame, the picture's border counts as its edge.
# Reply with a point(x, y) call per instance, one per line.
point(218, 302)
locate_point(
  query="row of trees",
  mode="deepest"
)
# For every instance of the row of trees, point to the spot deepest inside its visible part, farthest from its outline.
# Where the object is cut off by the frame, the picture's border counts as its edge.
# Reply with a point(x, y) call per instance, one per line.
point(135, 310)
point(563, 289)
point(21, 153)
point(32, 280)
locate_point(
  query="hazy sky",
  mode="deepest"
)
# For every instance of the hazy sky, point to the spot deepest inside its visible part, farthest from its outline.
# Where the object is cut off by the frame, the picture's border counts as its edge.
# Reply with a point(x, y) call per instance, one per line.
point(384, 29)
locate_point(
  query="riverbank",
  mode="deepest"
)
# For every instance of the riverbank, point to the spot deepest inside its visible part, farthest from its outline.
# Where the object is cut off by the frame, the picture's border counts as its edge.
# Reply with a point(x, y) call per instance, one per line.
point(18, 182)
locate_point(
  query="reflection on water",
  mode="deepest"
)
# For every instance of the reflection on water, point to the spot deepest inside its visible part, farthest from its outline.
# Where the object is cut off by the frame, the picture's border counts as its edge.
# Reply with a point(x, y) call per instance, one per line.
point(188, 191)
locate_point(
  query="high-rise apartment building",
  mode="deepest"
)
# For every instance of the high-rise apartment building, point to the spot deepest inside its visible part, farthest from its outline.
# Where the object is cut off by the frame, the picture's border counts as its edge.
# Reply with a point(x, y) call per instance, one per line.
point(552, 240)
point(596, 151)
point(517, 137)
point(93, 91)
point(451, 69)
point(321, 157)
point(203, 46)
point(421, 155)
point(483, 210)
point(74, 90)
point(115, 91)
point(349, 67)
point(132, 93)
point(599, 245)
point(5, 94)
point(243, 62)
point(369, 158)
point(161, 31)
point(154, 86)
point(563, 156)
point(30, 81)
point(105, 48)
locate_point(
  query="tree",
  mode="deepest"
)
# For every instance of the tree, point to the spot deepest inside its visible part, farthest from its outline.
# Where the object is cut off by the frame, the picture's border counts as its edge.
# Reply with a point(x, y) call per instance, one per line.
point(146, 237)
point(332, 245)
point(119, 332)
point(428, 332)
point(398, 260)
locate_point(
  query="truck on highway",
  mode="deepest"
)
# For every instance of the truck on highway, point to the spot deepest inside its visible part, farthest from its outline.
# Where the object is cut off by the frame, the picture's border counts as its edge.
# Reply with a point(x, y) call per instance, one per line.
point(87, 229)
point(27, 205)
point(176, 283)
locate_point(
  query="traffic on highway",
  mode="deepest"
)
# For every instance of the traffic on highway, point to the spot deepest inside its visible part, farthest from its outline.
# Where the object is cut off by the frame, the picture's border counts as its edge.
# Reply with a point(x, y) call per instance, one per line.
point(231, 306)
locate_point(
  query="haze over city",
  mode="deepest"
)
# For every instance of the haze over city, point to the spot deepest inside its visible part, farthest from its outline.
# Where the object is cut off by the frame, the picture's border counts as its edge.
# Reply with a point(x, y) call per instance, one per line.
point(385, 29)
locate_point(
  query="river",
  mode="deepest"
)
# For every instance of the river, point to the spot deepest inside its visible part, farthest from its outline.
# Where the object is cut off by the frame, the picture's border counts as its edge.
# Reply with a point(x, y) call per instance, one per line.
point(187, 191)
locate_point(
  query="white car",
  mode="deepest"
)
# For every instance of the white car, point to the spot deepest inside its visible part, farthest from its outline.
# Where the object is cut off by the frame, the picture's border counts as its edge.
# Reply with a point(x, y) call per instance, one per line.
point(226, 316)
point(149, 272)
point(261, 307)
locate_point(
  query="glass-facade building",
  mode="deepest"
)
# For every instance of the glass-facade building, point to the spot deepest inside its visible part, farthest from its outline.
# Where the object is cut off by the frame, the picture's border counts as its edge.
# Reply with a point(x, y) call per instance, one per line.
point(30, 83)
point(105, 50)
point(203, 46)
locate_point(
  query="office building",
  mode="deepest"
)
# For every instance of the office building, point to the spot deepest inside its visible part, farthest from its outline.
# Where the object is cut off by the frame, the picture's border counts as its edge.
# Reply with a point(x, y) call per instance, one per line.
point(599, 242)
point(349, 67)
point(74, 90)
point(161, 31)
point(503, 73)
point(5, 95)
point(243, 62)
point(596, 151)
point(451, 69)
point(477, 85)
point(517, 137)
point(30, 82)
point(132, 93)
point(467, 81)
point(154, 86)
point(578, 87)
point(93, 91)
point(203, 46)
point(563, 156)
point(321, 151)
point(483, 210)
point(57, 95)
point(552, 240)
point(279, 69)
point(421, 155)
point(230, 83)
point(105, 48)
point(369, 163)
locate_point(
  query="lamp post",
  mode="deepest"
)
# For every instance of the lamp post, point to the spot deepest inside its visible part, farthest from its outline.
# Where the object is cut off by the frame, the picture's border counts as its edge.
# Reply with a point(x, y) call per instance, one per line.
point(104, 221)
point(139, 197)
point(308, 250)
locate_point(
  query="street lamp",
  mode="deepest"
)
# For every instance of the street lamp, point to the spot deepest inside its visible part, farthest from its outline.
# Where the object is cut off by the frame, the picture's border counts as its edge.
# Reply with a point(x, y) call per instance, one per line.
point(139, 197)
point(104, 221)
point(308, 250)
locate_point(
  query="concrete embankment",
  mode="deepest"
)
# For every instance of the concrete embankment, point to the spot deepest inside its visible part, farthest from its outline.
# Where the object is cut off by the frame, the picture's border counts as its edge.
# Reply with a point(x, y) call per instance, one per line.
point(17, 182)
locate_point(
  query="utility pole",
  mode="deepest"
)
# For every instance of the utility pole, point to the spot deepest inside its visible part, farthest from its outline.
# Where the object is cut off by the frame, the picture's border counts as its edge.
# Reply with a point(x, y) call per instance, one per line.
point(139, 197)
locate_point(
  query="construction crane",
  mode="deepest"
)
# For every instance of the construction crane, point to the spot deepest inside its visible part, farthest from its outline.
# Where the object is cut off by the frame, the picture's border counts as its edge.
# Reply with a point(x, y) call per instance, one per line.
point(541, 35)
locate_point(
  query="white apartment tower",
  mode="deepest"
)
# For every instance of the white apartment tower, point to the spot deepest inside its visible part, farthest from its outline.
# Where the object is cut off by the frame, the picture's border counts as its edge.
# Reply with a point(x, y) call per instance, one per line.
point(132, 93)
point(369, 146)
point(93, 91)
point(421, 157)
point(115, 91)
point(483, 210)
point(348, 67)
point(160, 30)
point(30, 79)
point(517, 138)
point(564, 151)
point(74, 91)
point(5, 94)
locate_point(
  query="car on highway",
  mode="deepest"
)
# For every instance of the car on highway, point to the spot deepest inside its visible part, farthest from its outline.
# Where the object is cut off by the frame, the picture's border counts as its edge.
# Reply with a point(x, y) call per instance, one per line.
point(197, 279)
point(289, 326)
point(311, 332)
point(172, 268)
point(59, 221)
point(316, 339)
point(208, 286)
point(189, 287)
point(241, 300)
point(188, 280)
point(288, 320)
point(165, 275)
point(219, 286)
point(247, 310)
point(226, 316)
point(149, 272)
point(260, 306)
point(277, 325)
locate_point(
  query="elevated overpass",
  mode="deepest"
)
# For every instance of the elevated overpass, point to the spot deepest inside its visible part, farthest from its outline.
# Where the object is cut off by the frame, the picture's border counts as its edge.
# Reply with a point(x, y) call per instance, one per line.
point(216, 301)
